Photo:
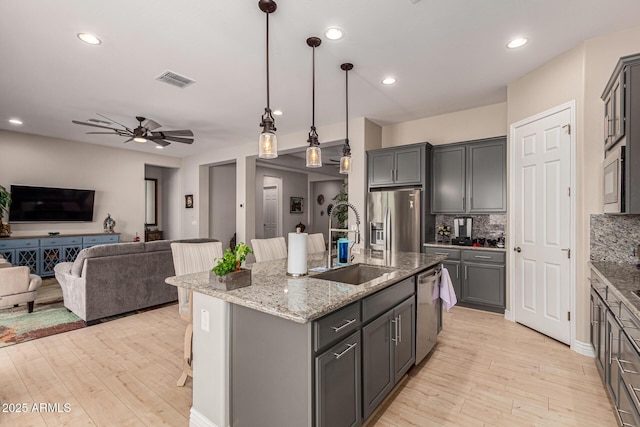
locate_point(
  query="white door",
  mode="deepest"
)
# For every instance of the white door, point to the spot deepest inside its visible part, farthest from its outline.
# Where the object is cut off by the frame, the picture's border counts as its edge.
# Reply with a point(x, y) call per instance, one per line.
point(270, 211)
point(542, 224)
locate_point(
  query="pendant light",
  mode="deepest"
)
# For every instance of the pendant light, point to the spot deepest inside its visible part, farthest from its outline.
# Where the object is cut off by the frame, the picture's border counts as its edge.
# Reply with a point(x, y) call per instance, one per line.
point(314, 155)
point(268, 148)
point(345, 160)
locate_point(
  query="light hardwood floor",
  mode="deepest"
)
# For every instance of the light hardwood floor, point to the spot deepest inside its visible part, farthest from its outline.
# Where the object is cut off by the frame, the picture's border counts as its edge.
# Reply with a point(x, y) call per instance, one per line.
point(485, 371)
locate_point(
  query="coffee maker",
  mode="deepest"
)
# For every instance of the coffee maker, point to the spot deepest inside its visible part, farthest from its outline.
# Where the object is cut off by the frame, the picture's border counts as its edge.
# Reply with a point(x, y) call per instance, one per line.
point(462, 231)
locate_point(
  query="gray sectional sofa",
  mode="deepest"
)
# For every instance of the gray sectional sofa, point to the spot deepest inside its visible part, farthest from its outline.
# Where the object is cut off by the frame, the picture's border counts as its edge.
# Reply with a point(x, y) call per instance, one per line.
point(107, 280)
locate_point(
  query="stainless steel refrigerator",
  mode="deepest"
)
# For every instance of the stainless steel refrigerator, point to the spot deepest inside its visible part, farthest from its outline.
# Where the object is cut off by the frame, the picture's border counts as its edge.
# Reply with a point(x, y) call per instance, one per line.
point(394, 220)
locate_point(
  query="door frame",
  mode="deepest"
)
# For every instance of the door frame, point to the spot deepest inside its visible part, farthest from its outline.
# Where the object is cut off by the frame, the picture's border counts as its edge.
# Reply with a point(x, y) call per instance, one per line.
point(510, 314)
point(276, 181)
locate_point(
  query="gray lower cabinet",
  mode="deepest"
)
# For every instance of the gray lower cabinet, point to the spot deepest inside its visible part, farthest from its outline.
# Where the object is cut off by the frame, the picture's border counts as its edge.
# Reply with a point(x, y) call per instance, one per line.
point(612, 361)
point(337, 395)
point(453, 267)
point(597, 328)
point(388, 351)
point(484, 284)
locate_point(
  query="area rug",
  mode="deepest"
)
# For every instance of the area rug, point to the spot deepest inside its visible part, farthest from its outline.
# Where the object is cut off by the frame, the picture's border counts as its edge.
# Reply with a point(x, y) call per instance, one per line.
point(49, 317)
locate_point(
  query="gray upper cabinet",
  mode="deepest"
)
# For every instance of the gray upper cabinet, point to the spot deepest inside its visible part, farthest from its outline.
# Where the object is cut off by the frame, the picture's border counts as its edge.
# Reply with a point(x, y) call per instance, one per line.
point(397, 166)
point(470, 177)
point(449, 179)
point(487, 177)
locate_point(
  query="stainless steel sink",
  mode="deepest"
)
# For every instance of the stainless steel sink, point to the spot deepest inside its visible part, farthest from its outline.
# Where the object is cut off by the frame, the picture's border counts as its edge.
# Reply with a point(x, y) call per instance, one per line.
point(355, 274)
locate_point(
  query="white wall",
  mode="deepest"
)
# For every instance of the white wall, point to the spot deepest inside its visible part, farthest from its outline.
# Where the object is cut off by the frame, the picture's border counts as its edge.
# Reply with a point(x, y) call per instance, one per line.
point(115, 174)
point(222, 203)
point(466, 125)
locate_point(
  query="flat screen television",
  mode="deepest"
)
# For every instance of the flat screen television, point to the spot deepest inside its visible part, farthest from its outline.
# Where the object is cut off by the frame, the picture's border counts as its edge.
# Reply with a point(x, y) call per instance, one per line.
point(45, 204)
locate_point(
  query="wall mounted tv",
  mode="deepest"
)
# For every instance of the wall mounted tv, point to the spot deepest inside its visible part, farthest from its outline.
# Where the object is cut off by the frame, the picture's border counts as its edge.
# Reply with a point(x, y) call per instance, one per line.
point(45, 204)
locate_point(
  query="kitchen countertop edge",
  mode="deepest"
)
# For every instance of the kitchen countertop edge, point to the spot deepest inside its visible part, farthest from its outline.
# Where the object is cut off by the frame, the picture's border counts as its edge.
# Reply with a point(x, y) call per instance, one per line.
point(451, 246)
point(622, 279)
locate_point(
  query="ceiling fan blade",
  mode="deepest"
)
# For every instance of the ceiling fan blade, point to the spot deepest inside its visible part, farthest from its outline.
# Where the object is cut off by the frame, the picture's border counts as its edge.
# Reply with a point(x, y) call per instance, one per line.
point(161, 142)
point(151, 124)
point(172, 138)
point(102, 133)
point(111, 120)
point(175, 132)
point(130, 139)
point(95, 126)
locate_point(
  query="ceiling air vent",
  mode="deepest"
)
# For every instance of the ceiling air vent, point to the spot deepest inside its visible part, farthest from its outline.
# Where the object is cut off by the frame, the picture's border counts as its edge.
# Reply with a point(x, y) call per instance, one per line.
point(175, 79)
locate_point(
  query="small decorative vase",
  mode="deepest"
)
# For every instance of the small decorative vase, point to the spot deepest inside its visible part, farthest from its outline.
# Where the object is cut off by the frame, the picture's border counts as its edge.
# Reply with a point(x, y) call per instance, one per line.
point(108, 224)
point(5, 230)
point(230, 281)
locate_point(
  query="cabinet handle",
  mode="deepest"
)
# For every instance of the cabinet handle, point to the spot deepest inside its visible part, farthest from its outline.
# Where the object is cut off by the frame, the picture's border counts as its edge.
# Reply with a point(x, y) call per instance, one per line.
point(441, 253)
point(395, 331)
point(626, 371)
point(482, 256)
point(634, 396)
point(610, 345)
point(399, 327)
point(622, 423)
point(347, 323)
point(465, 272)
point(457, 271)
point(349, 347)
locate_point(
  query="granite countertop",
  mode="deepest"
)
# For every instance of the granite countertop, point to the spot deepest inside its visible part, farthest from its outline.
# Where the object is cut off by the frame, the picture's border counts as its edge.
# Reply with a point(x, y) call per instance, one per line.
point(622, 279)
point(450, 246)
point(304, 299)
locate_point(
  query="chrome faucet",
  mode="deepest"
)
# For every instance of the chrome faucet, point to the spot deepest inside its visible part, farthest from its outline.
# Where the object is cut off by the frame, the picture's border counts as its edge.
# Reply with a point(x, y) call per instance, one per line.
point(331, 230)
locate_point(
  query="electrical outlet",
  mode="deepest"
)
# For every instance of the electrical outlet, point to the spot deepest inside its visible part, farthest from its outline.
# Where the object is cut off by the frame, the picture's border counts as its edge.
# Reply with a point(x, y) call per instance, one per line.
point(204, 320)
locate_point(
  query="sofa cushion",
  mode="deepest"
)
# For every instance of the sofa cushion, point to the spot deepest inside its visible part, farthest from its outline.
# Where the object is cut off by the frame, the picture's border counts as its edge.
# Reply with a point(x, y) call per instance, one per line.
point(105, 250)
point(157, 245)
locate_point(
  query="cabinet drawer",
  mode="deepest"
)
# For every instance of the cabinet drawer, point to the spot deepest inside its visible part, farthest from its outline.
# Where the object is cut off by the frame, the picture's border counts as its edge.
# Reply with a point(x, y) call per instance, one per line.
point(100, 240)
point(452, 254)
point(60, 241)
point(20, 243)
point(336, 325)
point(483, 256)
point(382, 301)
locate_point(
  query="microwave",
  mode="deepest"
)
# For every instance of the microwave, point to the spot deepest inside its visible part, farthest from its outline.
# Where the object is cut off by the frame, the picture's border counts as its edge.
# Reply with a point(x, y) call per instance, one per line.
point(614, 181)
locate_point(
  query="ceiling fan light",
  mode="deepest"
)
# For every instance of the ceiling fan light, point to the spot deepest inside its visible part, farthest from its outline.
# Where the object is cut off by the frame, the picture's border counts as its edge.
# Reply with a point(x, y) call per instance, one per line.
point(140, 139)
point(159, 147)
point(345, 165)
point(314, 157)
point(268, 148)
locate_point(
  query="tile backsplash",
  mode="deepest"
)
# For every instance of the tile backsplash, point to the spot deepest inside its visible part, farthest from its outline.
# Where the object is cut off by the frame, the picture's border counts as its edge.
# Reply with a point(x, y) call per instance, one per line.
point(615, 238)
point(489, 226)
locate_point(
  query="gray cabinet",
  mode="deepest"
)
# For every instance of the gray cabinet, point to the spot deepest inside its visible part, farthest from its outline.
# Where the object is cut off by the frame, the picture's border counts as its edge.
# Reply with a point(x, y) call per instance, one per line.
point(337, 396)
point(397, 166)
point(470, 177)
point(477, 276)
point(449, 179)
point(612, 361)
point(597, 328)
point(388, 351)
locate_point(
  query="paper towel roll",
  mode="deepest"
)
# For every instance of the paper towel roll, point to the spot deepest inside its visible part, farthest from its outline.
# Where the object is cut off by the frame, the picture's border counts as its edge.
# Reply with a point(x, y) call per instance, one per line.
point(297, 254)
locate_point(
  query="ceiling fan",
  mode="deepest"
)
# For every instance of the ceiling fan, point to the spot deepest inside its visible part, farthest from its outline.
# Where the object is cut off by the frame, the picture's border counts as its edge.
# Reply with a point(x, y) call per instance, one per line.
point(144, 132)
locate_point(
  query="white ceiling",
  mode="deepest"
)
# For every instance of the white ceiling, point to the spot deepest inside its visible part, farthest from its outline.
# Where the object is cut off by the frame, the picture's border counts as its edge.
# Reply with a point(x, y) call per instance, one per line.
point(447, 56)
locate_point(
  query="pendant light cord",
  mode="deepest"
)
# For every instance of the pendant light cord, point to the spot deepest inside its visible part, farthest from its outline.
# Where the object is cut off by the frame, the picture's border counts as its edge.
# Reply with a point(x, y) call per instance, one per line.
point(313, 90)
point(268, 104)
point(346, 77)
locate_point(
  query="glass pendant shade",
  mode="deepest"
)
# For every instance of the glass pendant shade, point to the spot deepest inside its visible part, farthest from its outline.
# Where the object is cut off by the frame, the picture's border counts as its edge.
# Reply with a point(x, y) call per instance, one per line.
point(314, 157)
point(268, 146)
point(345, 164)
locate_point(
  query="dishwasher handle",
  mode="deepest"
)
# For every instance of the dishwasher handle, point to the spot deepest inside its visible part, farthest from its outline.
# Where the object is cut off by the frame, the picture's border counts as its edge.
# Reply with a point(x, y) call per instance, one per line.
point(433, 274)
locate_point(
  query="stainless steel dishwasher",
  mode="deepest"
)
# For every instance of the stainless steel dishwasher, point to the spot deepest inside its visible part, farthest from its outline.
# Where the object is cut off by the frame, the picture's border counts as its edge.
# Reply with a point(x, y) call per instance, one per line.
point(427, 313)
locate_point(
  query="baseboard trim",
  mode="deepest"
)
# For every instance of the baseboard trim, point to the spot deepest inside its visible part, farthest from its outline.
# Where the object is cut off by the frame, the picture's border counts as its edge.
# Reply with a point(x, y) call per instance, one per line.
point(198, 420)
point(583, 348)
point(509, 315)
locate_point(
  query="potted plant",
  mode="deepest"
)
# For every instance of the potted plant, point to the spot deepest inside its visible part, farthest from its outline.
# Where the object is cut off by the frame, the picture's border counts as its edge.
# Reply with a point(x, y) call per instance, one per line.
point(5, 202)
point(228, 274)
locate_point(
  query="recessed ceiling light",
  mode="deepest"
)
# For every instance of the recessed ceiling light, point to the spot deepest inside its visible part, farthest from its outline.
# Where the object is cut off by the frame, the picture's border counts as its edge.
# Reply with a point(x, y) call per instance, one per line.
point(89, 38)
point(515, 43)
point(277, 112)
point(15, 121)
point(389, 80)
point(334, 33)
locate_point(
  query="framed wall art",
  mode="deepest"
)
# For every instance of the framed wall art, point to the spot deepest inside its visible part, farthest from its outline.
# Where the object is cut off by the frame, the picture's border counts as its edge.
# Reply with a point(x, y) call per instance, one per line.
point(296, 205)
point(188, 201)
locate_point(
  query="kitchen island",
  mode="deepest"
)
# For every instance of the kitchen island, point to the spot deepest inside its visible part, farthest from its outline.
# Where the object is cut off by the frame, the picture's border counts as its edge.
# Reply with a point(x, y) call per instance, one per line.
point(262, 354)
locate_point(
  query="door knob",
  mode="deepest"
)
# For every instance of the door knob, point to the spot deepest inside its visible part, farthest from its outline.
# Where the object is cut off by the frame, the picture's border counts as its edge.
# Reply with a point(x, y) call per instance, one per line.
point(517, 249)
